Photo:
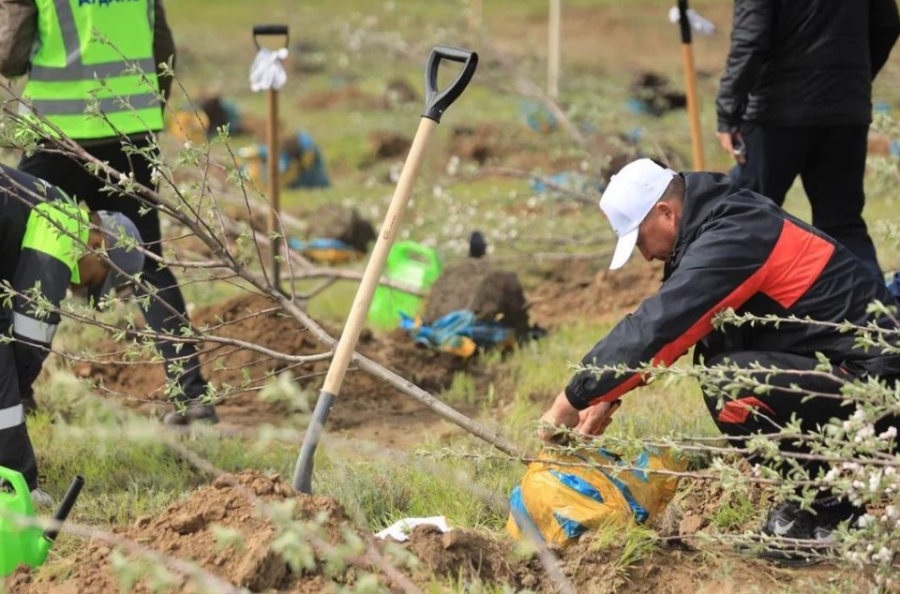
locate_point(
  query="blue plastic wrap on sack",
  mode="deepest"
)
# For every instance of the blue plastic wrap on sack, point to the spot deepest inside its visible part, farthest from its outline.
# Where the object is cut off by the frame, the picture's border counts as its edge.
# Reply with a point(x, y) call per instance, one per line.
point(538, 117)
point(458, 332)
point(300, 166)
point(318, 244)
point(563, 495)
point(325, 250)
point(231, 111)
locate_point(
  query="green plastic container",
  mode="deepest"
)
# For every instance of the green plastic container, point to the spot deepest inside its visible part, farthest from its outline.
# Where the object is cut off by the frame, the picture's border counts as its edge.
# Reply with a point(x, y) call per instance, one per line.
point(410, 263)
point(20, 544)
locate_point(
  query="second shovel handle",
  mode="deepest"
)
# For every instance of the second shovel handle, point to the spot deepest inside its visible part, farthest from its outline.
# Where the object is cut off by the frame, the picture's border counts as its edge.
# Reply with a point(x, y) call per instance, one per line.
point(436, 102)
point(260, 30)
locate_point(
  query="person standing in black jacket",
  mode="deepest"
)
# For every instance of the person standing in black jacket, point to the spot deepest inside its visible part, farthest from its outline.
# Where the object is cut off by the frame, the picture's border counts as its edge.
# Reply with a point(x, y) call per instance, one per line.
point(796, 99)
point(726, 247)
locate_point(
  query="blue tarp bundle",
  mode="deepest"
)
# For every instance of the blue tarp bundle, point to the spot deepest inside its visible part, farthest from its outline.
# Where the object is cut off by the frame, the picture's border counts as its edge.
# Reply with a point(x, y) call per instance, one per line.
point(300, 165)
point(458, 332)
point(324, 250)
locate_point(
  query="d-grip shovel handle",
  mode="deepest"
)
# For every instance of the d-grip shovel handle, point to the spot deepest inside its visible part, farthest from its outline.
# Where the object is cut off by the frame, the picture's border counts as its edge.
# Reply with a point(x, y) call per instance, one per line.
point(684, 22)
point(436, 102)
point(65, 507)
point(259, 30)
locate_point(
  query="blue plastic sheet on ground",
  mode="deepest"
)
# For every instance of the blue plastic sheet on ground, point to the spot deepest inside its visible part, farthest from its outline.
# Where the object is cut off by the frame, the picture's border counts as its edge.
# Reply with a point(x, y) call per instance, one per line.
point(538, 117)
point(300, 163)
point(318, 244)
point(458, 332)
point(571, 181)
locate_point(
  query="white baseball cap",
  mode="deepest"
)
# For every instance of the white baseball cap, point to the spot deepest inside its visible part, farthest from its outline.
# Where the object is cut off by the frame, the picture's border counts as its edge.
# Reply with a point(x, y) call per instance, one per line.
point(628, 198)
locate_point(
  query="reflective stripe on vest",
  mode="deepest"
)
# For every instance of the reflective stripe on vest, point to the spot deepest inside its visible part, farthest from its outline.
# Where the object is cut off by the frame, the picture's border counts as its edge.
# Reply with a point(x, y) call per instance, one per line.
point(11, 417)
point(74, 71)
point(108, 105)
point(33, 329)
point(79, 72)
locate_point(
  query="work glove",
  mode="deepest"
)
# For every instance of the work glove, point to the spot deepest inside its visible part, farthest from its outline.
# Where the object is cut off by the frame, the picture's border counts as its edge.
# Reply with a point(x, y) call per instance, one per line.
point(267, 71)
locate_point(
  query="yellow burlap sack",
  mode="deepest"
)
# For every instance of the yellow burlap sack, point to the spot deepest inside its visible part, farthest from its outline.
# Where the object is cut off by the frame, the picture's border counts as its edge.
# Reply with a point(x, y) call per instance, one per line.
point(562, 497)
point(332, 255)
point(187, 125)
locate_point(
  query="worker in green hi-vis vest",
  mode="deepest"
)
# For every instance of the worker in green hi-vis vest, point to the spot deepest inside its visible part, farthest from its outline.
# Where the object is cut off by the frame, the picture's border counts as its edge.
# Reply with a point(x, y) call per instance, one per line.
point(48, 244)
point(92, 69)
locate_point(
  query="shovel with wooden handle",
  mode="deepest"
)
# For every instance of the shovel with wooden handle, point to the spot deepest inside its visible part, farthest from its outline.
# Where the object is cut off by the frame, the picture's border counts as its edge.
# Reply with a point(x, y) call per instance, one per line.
point(690, 76)
point(436, 102)
point(274, 154)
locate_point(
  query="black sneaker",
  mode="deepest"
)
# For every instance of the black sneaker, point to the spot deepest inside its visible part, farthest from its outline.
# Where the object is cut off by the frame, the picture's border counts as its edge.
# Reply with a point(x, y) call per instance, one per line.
point(193, 413)
point(829, 519)
point(794, 530)
point(814, 534)
point(789, 521)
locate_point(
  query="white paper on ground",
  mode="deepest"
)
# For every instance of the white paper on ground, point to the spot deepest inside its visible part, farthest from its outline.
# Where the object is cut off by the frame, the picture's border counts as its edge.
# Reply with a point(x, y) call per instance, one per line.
point(400, 529)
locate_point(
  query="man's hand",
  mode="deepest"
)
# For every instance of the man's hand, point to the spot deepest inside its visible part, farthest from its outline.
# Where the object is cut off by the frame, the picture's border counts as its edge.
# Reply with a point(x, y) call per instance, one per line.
point(733, 143)
point(561, 415)
point(595, 419)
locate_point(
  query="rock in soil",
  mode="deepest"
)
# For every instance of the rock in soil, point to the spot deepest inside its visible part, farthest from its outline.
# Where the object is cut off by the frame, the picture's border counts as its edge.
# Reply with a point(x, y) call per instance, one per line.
point(346, 225)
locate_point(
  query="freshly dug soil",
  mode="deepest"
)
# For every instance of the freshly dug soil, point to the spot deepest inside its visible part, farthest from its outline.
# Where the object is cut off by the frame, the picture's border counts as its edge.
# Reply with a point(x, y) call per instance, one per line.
point(493, 295)
point(386, 144)
point(335, 222)
point(578, 290)
point(478, 144)
point(191, 529)
point(399, 92)
point(255, 319)
point(225, 529)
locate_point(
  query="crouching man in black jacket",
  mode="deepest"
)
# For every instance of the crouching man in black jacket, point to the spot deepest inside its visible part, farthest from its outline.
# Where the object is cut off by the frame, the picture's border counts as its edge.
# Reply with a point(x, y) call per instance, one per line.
point(726, 247)
point(797, 94)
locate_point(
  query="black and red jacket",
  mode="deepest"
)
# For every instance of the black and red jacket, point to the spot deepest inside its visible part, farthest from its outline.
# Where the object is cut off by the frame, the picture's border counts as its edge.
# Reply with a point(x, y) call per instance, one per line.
point(737, 249)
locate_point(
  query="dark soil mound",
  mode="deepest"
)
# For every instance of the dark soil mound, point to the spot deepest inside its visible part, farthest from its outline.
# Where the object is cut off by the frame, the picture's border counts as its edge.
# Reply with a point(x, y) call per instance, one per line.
point(191, 529)
point(493, 295)
point(399, 92)
point(388, 145)
point(578, 290)
point(335, 222)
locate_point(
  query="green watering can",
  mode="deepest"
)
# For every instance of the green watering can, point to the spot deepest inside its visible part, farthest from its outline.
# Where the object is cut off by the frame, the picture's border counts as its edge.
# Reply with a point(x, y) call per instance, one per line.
point(410, 263)
point(27, 545)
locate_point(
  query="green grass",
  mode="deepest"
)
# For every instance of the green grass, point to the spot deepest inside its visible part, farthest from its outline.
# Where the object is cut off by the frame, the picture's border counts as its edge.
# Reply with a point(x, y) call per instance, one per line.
point(734, 512)
point(380, 491)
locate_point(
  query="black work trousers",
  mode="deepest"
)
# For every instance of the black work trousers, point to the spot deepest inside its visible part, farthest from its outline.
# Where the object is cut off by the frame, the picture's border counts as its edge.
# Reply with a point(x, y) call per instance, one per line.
point(751, 413)
point(75, 180)
point(831, 163)
point(16, 452)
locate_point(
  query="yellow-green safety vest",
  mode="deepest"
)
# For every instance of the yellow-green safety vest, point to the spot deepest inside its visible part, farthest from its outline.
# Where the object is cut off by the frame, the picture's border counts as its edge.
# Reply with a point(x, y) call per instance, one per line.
point(95, 50)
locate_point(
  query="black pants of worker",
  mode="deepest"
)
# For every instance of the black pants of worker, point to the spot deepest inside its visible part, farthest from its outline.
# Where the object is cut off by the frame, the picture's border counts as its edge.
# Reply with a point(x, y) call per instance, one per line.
point(831, 162)
point(766, 413)
point(74, 179)
point(16, 451)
